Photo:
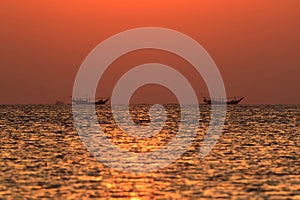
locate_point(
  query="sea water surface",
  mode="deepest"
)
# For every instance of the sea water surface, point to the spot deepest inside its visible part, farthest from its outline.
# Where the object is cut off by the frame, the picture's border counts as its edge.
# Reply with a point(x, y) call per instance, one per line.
point(257, 156)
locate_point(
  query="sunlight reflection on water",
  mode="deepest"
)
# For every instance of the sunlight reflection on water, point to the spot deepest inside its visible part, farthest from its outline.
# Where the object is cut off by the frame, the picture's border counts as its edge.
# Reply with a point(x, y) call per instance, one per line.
point(257, 156)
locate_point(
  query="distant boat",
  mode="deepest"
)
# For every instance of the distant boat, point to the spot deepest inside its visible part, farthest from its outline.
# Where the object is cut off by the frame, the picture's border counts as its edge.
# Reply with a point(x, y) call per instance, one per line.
point(230, 101)
point(88, 101)
point(102, 101)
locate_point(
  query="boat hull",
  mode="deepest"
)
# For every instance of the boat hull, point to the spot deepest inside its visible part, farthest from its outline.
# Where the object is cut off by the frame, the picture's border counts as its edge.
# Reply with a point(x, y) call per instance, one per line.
point(87, 102)
point(233, 101)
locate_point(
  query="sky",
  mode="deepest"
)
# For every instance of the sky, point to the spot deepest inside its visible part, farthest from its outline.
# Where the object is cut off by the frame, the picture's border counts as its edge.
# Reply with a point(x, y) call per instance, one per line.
point(255, 44)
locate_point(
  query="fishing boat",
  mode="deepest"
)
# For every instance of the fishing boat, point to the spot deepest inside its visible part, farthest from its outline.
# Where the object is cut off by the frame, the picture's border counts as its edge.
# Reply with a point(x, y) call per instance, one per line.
point(101, 101)
point(230, 101)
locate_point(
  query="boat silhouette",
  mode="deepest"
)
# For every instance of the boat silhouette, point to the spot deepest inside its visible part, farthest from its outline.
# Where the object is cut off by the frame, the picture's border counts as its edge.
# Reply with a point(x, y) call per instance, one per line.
point(230, 101)
point(101, 101)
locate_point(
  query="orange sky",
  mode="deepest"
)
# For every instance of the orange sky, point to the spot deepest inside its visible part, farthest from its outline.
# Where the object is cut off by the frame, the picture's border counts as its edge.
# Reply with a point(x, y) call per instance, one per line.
point(255, 44)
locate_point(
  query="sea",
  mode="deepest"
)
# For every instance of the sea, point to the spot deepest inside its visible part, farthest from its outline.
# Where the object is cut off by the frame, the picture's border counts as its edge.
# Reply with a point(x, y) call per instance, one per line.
point(257, 156)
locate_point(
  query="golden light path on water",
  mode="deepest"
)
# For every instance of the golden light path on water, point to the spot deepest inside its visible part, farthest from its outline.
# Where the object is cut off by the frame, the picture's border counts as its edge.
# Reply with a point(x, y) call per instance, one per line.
point(257, 156)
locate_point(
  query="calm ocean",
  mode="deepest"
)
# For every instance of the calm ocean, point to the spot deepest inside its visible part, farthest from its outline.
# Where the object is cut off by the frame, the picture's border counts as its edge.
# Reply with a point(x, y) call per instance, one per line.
point(257, 156)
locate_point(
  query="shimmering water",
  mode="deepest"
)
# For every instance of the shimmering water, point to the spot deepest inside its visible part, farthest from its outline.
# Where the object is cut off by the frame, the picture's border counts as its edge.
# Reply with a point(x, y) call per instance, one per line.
point(257, 156)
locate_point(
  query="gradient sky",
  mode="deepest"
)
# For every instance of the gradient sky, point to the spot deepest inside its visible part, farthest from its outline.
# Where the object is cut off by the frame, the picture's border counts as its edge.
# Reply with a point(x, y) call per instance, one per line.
point(255, 44)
